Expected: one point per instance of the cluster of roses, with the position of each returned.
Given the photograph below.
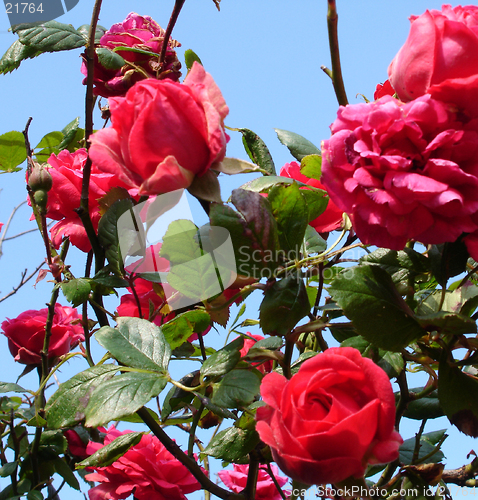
(402, 169)
(406, 168)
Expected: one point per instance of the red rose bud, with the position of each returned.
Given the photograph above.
(40, 179)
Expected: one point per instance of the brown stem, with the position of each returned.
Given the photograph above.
(337, 79)
(250, 489)
(463, 476)
(187, 461)
(178, 5)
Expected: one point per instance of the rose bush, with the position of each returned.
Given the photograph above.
(331, 419)
(26, 334)
(439, 58)
(147, 469)
(328, 221)
(236, 480)
(147, 37)
(403, 171)
(66, 170)
(152, 157)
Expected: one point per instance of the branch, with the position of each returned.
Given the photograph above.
(22, 282)
(336, 75)
(7, 225)
(463, 476)
(187, 461)
(178, 5)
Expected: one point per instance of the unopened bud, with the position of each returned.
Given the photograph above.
(40, 179)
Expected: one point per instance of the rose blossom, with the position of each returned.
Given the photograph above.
(236, 481)
(439, 58)
(26, 334)
(329, 220)
(66, 170)
(138, 32)
(331, 419)
(403, 171)
(163, 133)
(147, 469)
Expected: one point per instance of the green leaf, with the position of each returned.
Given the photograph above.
(63, 469)
(8, 469)
(76, 290)
(70, 133)
(12, 151)
(426, 447)
(317, 202)
(298, 146)
(253, 232)
(134, 418)
(15, 54)
(401, 266)
(84, 30)
(257, 150)
(224, 360)
(121, 396)
(458, 396)
(448, 260)
(285, 303)
(51, 36)
(446, 322)
(314, 243)
(427, 407)
(136, 343)
(238, 388)
(263, 184)
(177, 398)
(232, 444)
(233, 166)
(189, 57)
(109, 59)
(178, 330)
(67, 405)
(108, 233)
(111, 452)
(11, 387)
(370, 300)
(289, 208)
(311, 166)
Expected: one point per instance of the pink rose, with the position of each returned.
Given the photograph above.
(76, 446)
(64, 198)
(331, 419)
(328, 221)
(264, 367)
(163, 133)
(439, 58)
(143, 34)
(26, 334)
(236, 481)
(403, 171)
(147, 469)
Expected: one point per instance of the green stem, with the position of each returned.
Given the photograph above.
(192, 431)
(337, 79)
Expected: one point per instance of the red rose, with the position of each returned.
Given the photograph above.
(439, 58)
(236, 481)
(163, 133)
(145, 35)
(147, 469)
(76, 446)
(331, 419)
(403, 171)
(26, 334)
(328, 221)
(264, 367)
(66, 170)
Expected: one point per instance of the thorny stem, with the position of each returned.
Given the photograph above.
(250, 489)
(337, 79)
(192, 430)
(274, 480)
(187, 461)
(178, 5)
(418, 438)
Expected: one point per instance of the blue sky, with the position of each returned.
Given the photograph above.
(265, 56)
